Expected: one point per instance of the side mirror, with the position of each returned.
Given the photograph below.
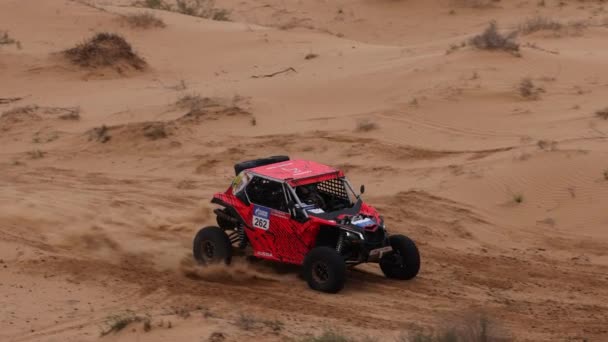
(362, 189)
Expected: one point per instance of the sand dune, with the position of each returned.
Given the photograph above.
(107, 172)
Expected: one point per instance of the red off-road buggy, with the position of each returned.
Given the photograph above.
(304, 213)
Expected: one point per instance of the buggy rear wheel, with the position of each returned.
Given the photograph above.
(324, 270)
(211, 246)
(404, 262)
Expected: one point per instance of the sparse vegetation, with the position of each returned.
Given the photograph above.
(70, 114)
(100, 134)
(528, 90)
(539, 23)
(192, 102)
(36, 154)
(329, 336)
(20, 110)
(182, 313)
(475, 3)
(274, 325)
(197, 8)
(245, 322)
(311, 56)
(547, 145)
(7, 100)
(116, 323)
(491, 39)
(5, 39)
(471, 328)
(518, 198)
(105, 50)
(144, 20)
(216, 337)
(147, 325)
(366, 126)
(155, 131)
(154, 4)
(602, 113)
(455, 47)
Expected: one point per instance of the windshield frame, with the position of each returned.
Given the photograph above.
(350, 190)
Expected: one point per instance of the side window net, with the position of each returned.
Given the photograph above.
(266, 193)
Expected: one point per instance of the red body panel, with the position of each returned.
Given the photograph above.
(284, 240)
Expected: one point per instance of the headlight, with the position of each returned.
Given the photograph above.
(354, 235)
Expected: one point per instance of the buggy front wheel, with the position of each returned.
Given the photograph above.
(404, 262)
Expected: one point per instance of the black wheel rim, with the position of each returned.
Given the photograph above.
(396, 259)
(208, 250)
(320, 272)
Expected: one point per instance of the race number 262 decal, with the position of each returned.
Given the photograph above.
(261, 217)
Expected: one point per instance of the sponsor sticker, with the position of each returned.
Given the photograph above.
(363, 222)
(261, 217)
(263, 254)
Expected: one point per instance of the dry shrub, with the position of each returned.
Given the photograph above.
(475, 3)
(471, 328)
(274, 325)
(197, 8)
(246, 322)
(547, 145)
(100, 134)
(329, 336)
(155, 131)
(216, 337)
(36, 154)
(200, 109)
(31, 112)
(366, 126)
(144, 20)
(5, 39)
(602, 113)
(193, 102)
(25, 110)
(116, 323)
(155, 4)
(105, 50)
(202, 9)
(539, 23)
(528, 90)
(311, 56)
(491, 39)
(71, 114)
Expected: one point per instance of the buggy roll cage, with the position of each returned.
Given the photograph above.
(289, 191)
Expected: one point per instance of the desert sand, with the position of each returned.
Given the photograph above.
(107, 173)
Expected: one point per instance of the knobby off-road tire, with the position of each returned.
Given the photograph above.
(211, 246)
(404, 262)
(324, 270)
